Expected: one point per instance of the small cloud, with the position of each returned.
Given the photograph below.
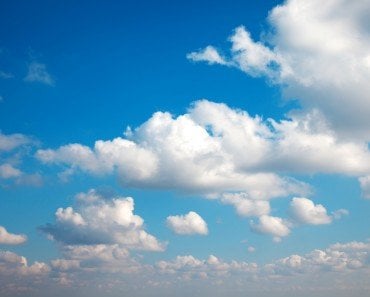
(208, 54)
(338, 214)
(8, 171)
(9, 238)
(37, 73)
(251, 249)
(188, 224)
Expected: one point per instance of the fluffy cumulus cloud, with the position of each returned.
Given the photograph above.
(318, 53)
(37, 73)
(9, 238)
(275, 226)
(98, 221)
(305, 211)
(191, 223)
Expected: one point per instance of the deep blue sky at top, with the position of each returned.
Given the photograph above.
(117, 62)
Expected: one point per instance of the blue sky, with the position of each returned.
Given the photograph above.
(239, 129)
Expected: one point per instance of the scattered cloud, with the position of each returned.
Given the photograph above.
(9, 238)
(208, 54)
(37, 73)
(189, 224)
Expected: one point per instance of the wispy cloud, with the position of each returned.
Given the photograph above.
(37, 73)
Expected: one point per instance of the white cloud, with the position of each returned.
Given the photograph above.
(319, 53)
(8, 171)
(191, 223)
(37, 73)
(12, 141)
(304, 211)
(208, 54)
(102, 221)
(9, 238)
(245, 206)
(275, 226)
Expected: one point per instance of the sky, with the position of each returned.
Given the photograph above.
(176, 148)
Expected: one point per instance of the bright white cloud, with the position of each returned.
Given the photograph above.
(9, 238)
(275, 226)
(37, 73)
(211, 149)
(102, 221)
(304, 211)
(208, 54)
(188, 224)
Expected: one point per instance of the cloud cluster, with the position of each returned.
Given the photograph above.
(191, 223)
(100, 221)
(225, 153)
(90, 266)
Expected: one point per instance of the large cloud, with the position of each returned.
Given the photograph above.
(319, 53)
(101, 221)
(215, 148)
(211, 149)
